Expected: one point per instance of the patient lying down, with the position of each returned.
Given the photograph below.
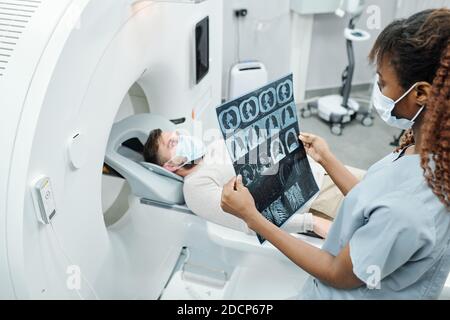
(206, 170)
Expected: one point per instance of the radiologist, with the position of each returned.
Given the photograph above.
(391, 236)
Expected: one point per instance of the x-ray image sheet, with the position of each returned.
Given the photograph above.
(261, 134)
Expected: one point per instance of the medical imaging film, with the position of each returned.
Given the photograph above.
(261, 134)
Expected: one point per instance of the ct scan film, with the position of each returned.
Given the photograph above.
(261, 133)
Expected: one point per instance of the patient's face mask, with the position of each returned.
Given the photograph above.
(385, 105)
(187, 150)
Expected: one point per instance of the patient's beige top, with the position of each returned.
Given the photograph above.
(203, 188)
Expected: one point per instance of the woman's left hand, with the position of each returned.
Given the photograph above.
(237, 200)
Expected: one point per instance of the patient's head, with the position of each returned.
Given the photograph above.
(173, 151)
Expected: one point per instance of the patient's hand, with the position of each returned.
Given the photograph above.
(321, 226)
(316, 147)
(237, 200)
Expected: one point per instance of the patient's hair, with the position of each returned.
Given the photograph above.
(151, 147)
(419, 50)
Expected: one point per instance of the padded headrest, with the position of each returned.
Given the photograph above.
(150, 182)
(162, 171)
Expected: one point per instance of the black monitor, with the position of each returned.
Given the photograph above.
(202, 49)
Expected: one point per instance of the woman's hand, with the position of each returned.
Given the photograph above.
(237, 200)
(316, 147)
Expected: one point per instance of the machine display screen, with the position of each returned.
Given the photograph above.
(202, 49)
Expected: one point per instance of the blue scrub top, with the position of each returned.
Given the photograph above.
(399, 233)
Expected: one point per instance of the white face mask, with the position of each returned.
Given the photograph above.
(189, 149)
(384, 106)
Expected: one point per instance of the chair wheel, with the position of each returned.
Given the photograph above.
(306, 113)
(367, 121)
(336, 129)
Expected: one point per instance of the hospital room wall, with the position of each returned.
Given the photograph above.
(408, 7)
(328, 55)
(265, 36)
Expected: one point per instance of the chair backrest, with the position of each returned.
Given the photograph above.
(144, 183)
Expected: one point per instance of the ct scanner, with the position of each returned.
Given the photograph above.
(65, 68)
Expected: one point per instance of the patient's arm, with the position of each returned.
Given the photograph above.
(307, 222)
(321, 226)
(203, 189)
(202, 195)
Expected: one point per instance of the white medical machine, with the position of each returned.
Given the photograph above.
(246, 77)
(66, 68)
(340, 109)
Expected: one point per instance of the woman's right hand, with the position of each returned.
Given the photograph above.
(316, 147)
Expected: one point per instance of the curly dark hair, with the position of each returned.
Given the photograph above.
(419, 50)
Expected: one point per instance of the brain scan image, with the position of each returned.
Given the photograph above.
(272, 125)
(265, 162)
(248, 175)
(249, 109)
(284, 91)
(230, 119)
(237, 147)
(267, 100)
(279, 212)
(241, 146)
(252, 138)
(295, 197)
(288, 116)
(261, 132)
(277, 151)
(291, 142)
